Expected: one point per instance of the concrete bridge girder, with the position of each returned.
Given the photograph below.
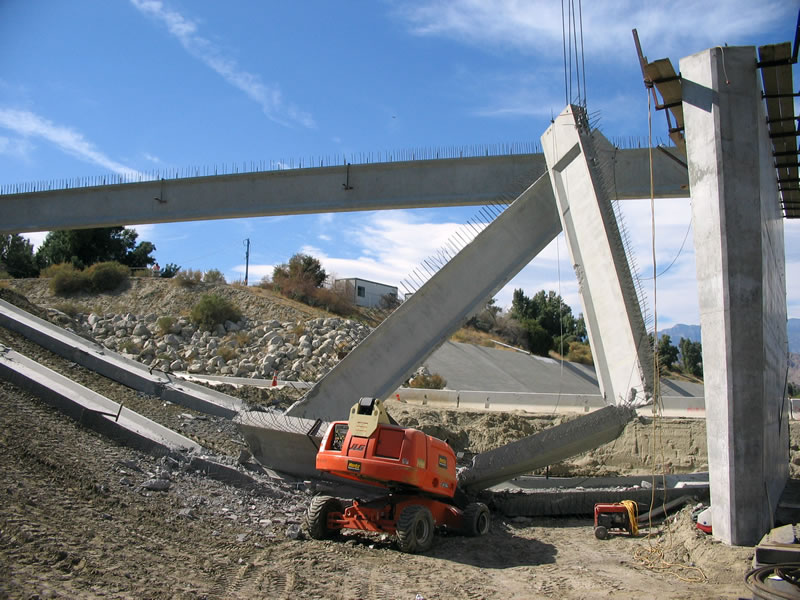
(377, 186)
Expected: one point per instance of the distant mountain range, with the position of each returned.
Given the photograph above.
(692, 332)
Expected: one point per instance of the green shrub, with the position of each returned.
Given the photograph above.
(214, 276)
(107, 276)
(434, 381)
(66, 279)
(213, 310)
(165, 324)
(4, 274)
(170, 270)
(188, 278)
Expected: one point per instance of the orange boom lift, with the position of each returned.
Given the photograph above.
(417, 471)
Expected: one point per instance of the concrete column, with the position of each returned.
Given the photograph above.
(617, 334)
(738, 238)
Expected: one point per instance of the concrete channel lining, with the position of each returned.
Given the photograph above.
(115, 366)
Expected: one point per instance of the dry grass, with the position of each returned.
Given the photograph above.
(467, 335)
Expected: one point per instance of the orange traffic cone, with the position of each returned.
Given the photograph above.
(274, 380)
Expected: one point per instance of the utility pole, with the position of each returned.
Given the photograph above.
(246, 260)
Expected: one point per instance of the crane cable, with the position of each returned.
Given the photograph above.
(653, 556)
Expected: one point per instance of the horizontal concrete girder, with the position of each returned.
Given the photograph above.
(377, 186)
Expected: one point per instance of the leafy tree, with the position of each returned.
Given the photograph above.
(16, 256)
(85, 247)
(794, 390)
(547, 320)
(486, 319)
(667, 353)
(301, 268)
(537, 339)
(691, 356)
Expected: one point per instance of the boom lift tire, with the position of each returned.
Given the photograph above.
(476, 519)
(415, 529)
(317, 516)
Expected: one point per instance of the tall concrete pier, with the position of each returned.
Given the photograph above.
(614, 320)
(739, 249)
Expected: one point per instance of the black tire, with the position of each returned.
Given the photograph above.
(415, 529)
(600, 532)
(476, 519)
(317, 516)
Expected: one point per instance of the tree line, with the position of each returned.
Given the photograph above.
(79, 247)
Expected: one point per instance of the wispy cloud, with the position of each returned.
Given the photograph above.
(30, 125)
(15, 147)
(269, 97)
(151, 158)
(536, 26)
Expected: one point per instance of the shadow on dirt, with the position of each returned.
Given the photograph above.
(501, 548)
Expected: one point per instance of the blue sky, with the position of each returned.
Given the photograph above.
(93, 87)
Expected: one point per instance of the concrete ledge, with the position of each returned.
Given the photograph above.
(115, 366)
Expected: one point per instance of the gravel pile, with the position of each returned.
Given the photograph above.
(248, 348)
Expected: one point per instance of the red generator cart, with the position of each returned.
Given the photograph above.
(416, 471)
(616, 516)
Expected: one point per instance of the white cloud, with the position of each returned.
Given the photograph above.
(254, 272)
(269, 97)
(36, 237)
(28, 124)
(536, 26)
(15, 147)
(151, 158)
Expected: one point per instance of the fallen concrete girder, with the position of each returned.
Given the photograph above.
(545, 448)
(556, 503)
(90, 408)
(115, 366)
(379, 364)
(112, 419)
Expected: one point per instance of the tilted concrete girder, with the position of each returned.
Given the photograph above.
(385, 359)
(377, 186)
(581, 171)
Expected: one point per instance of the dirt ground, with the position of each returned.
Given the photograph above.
(77, 520)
